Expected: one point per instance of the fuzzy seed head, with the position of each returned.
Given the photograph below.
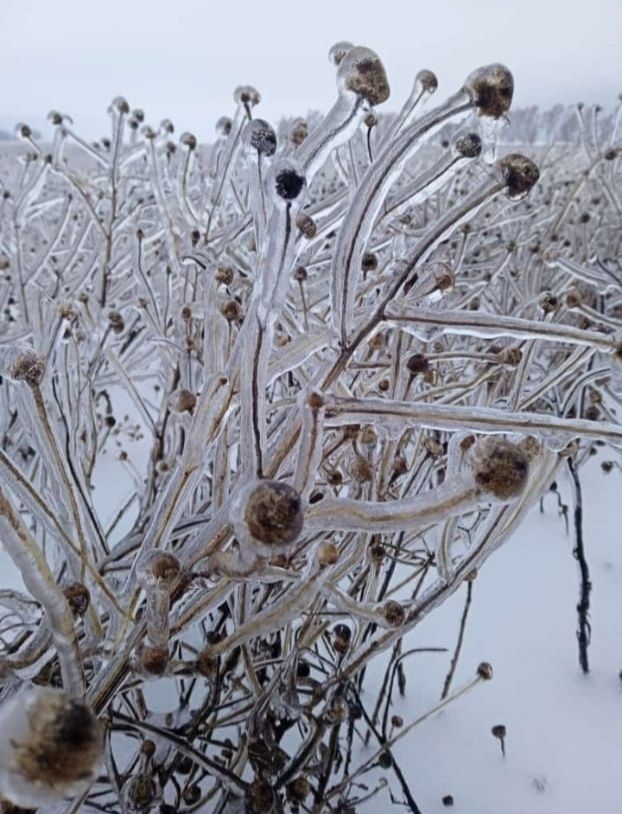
(52, 747)
(361, 72)
(338, 51)
(272, 513)
(519, 173)
(500, 468)
(29, 368)
(490, 89)
(259, 136)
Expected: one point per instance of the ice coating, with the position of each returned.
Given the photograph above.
(269, 402)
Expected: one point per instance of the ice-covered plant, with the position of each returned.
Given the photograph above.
(267, 404)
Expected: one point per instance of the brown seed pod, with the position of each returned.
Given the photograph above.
(272, 513)
(519, 173)
(185, 401)
(152, 660)
(140, 792)
(490, 89)
(260, 797)
(500, 468)
(338, 51)
(299, 132)
(165, 566)
(327, 553)
(306, 224)
(29, 368)
(484, 670)
(78, 597)
(361, 470)
(224, 275)
(51, 749)
(361, 71)
(298, 789)
(394, 613)
(417, 363)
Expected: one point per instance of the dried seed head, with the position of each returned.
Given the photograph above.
(469, 146)
(246, 95)
(427, 81)
(500, 468)
(300, 274)
(394, 613)
(417, 363)
(189, 140)
(299, 132)
(369, 261)
(261, 797)
(78, 597)
(206, 665)
(511, 356)
(164, 566)
(484, 670)
(151, 660)
(368, 436)
(259, 135)
(338, 51)
(573, 298)
(289, 181)
(224, 275)
(361, 72)
(327, 553)
(298, 789)
(361, 470)
(120, 105)
(116, 322)
(272, 513)
(490, 89)
(231, 310)
(140, 792)
(51, 747)
(185, 401)
(29, 368)
(224, 125)
(519, 173)
(306, 224)
(499, 731)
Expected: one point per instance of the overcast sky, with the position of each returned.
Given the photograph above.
(183, 58)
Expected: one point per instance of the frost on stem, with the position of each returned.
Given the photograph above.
(51, 747)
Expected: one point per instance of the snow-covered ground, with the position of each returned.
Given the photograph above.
(564, 729)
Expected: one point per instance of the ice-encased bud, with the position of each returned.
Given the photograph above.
(259, 135)
(469, 146)
(338, 51)
(268, 511)
(500, 468)
(519, 173)
(490, 89)
(189, 140)
(289, 180)
(223, 126)
(246, 95)
(361, 71)
(427, 81)
(51, 747)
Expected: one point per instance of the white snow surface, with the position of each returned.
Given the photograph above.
(564, 728)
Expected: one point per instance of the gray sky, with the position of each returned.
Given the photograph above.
(183, 58)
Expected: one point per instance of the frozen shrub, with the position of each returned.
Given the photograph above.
(265, 405)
